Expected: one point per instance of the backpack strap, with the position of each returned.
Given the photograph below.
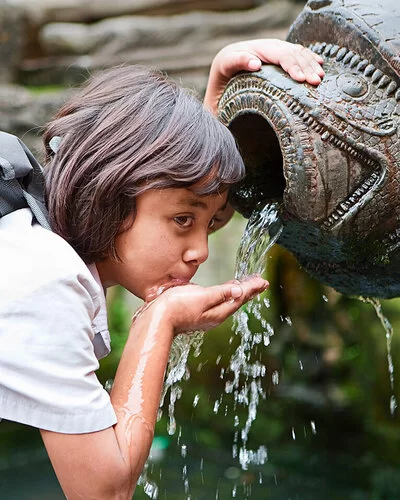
(21, 180)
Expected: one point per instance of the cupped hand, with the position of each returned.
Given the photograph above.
(300, 63)
(193, 307)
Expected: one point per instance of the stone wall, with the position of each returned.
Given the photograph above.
(59, 42)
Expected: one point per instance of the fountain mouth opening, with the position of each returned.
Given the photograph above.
(261, 152)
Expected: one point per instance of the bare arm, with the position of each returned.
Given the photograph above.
(107, 464)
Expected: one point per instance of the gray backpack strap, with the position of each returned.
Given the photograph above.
(21, 180)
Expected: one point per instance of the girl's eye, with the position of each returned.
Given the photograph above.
(184, 220)
(212, 223)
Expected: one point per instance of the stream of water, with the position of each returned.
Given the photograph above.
(262, 231)
(244, 376)
(246, 384)
(388, 329)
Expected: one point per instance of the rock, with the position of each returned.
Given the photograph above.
(25, 114)
(132, 33)
(12, 40)
(178, 44)
(14, 101)
(41, 12)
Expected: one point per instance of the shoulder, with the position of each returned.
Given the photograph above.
(33, 258)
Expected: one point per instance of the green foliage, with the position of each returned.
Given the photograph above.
(119, 318)
(333, 392)
(333, 395)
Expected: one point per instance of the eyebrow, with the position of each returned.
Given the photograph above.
(196, 203)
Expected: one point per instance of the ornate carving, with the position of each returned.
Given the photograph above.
(330, 153)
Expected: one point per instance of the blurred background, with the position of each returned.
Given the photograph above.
(325, 421)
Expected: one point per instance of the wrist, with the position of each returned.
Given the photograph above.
(154, 315)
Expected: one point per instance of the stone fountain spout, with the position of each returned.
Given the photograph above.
(330, 154)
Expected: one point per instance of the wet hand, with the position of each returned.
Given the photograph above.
(300, 63)
(193, 307)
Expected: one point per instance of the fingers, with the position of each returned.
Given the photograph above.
(237, 291)
(192, 307)
(242, 60)
(300, 63)
(234, 298)
(233, 59)
(309, 64)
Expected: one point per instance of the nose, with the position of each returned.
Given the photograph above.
(197, 251)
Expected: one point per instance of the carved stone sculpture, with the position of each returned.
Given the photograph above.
(330, 154)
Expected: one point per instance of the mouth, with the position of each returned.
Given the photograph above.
(281, 135)
(171, 282)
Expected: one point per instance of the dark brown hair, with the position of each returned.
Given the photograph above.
(129, 130)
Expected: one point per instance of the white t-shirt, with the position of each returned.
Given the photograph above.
(53, 329)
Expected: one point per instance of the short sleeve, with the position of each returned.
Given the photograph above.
(48, 302)
(48, 363)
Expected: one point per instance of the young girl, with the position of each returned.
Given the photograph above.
(137, 176)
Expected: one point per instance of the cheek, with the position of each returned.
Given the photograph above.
(153, 251)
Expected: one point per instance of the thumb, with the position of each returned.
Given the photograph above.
(242, 290)
(240, 61)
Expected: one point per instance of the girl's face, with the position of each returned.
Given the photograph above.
(167, 241)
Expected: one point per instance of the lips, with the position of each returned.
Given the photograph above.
(156, 291)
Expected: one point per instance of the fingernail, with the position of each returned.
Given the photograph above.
(254, 64)
(236, 292)
(301, 74)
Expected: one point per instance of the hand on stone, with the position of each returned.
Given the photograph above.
(300, 63)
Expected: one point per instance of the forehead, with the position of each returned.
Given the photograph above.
(202, 201)
(181, 199)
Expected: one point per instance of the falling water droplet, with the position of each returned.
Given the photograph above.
(388, 335)
(313, 427)
(393, 404)
(262, 230)
(151, 489)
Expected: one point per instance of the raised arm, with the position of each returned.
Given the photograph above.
(106, 464)
(299, 62)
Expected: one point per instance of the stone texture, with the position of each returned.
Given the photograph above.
(181, 44)
(11, 40)
(44, 11)
(177, 40)
(131, 33)
(24, 114)
(333, 158)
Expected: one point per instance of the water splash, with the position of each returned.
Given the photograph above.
(262, 231)
(388, 335)
(177, 370)
(149, 486)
